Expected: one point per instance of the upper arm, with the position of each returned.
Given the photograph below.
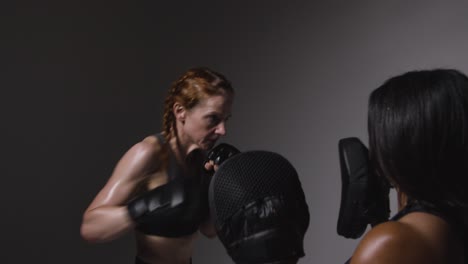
(392, 242)
(130, 171)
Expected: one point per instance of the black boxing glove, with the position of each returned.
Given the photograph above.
(364, 195)
(159, 201)
(220, 153)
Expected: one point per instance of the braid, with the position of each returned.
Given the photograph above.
(168, 118)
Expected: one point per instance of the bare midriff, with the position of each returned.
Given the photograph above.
(164, 250)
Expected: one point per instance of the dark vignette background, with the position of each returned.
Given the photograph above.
(81, 81)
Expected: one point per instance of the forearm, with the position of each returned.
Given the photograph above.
(207, 228)
(105, 223)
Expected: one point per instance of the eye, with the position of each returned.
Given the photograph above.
(213, 120)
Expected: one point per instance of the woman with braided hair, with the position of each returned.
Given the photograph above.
(159, 186)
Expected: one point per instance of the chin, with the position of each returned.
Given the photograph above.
(208, 145)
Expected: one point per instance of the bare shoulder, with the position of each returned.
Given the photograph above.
(146, 149)
(142, 158)
(393, 242)
(131, 171)
(149, 145)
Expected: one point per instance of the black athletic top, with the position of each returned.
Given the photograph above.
(186, 218)
(447, 215)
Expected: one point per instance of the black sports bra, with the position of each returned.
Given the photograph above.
(446, 215)
(185, 219)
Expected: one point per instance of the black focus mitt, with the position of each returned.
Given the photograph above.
(364, 195)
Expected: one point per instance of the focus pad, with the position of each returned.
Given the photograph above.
(364, 195)
(257, 204)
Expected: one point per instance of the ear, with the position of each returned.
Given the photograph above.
(179, 112)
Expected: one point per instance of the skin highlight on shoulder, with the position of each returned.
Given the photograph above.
(150, 144)
(149, 150)
(393, 242)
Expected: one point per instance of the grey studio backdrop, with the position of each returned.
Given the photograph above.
(83, 81)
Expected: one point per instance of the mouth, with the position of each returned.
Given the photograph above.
(210, 143)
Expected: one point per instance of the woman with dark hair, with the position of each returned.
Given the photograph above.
(159, 186)
(418, 141)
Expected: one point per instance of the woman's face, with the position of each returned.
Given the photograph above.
(205, 123)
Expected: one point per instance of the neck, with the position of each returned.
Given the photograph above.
(180, 144)
(402, 199)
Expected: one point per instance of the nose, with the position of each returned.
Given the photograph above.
(221, 129)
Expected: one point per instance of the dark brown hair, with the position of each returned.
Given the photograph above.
(418, 135)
